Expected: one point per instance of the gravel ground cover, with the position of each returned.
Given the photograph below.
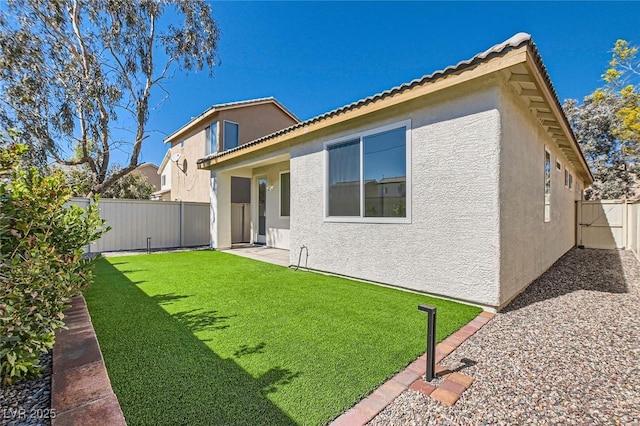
(28, 403)
(565, 351)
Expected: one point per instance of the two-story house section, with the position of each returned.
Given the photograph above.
(221, 127)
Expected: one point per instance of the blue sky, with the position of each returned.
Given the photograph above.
(314, 57)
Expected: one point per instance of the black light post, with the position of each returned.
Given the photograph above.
(431, 340)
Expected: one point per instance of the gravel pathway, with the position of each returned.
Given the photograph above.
(567, 351)
(28, 403)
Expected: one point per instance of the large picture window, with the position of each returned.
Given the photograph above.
(367, 176)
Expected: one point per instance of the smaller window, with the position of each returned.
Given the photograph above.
(558, 166)
(285, 194)
(570, 181)
(211, 138)
(164, 180)
(547, 185)
(231, 132)
(182, 143)
(207, 140)
(566, 177)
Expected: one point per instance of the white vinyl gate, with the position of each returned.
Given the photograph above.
(602, 224)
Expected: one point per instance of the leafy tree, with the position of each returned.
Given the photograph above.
(41, 259)
(73, 71)
(132, 185)
(607, 127)
(622, 77)
(595, 125)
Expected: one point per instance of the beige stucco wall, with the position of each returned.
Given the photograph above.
(150, 173)
(528, 244)
(451, 246)
(255, 121)
(189, 184)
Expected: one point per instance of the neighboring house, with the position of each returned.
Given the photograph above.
(150, 173)
(221, 127)
(164, 172)
(444, 185)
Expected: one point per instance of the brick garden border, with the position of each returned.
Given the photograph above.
(81, 392)
(449, 391)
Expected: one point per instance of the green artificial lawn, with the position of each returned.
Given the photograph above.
(211, 338)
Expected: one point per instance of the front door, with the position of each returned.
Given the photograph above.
(262, 210)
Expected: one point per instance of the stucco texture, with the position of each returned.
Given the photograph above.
(451, 245)
(475, 229)
(187, 182)
(528, 244)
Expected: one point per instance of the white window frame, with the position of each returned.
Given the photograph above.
(566, 177)
(570, 180)
(163, 180)
(280, 194)
(360, 135)
(224, 134)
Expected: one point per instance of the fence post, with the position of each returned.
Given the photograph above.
(181, 223)
(89, 204)
(625, 224)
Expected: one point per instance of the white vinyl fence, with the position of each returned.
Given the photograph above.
(633, 219)
(168, 224)
(609, 224)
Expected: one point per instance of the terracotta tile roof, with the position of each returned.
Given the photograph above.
(230, 105)
(512, 43)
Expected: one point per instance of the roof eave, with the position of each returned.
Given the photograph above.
(525, 54)
(214, 109)
(513, 57)
(543, 81)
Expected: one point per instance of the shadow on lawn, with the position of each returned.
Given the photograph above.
(162, 374)
(196, 319)
(250, 350)
(201, 320)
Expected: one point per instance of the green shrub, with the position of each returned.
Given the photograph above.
(41, 260)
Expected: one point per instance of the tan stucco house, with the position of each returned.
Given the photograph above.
(149, 171)
(447, 185)
(221, 127)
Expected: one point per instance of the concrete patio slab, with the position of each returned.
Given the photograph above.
(263, 254)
